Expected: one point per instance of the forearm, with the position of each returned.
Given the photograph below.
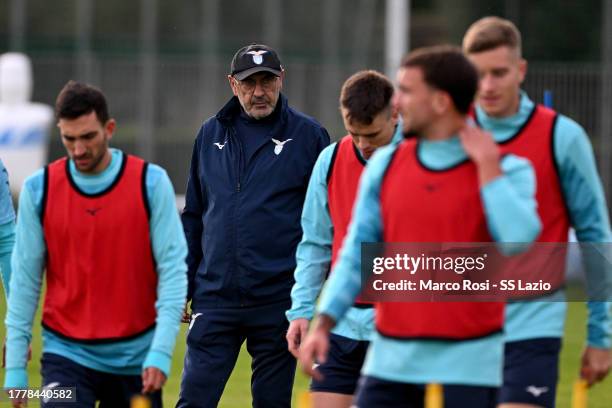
(599, 324)
(488, 170)
(324, 323)
(509, 203)
(22, 305)
(171, 300)
(314, 251)
(341, 289)
(588, 209)
(27, 264)
(308, 284)
(344, 284)
(7, 241)
(170, 251)
(313, 258)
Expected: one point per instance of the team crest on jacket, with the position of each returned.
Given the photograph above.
(257, 56)
(279, 145)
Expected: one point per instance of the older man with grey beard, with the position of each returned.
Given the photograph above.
(249, 171)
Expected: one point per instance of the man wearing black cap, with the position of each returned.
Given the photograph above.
(249, 171)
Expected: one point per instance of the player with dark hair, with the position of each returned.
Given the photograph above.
(371, 122)
(104, 227)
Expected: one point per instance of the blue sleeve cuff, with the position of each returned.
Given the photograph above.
(494, 186)
(298, 314)
(602, 342)
(599, 327)
(16, 378)
(335, 310)
(330, 313)
(159, 360)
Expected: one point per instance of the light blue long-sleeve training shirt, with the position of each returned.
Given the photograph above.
(315, 251)
(7, 228)
(510, 208)
(586, 202)
(152, 349)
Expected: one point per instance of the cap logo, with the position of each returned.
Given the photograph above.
(257, 56)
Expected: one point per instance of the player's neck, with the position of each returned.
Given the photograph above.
(511, 110)
(103, 164)
(444, 127)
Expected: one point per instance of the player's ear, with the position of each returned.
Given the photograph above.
(391, 114)
(394, 113)
(522, 69)
(110, 126)
(441, 101)
(233, 85)
(282, 78)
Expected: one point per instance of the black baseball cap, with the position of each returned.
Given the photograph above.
(255, 58)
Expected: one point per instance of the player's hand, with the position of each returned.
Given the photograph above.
(295, 334)
(478, 144)
(483, 151)
(595, 365)
(17, 402)
(153, 379)
(186, 314)
(315, 346)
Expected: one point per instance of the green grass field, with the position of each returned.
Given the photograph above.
(237, 392)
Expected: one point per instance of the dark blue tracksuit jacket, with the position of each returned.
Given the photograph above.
(242, 218)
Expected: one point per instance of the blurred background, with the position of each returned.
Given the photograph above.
(162, 64)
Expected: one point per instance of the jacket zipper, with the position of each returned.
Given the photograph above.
(240, 155)
(234, 136)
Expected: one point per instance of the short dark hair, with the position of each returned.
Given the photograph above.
(77, 99)
(445, 68)
(489, 33)
(365, 95)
